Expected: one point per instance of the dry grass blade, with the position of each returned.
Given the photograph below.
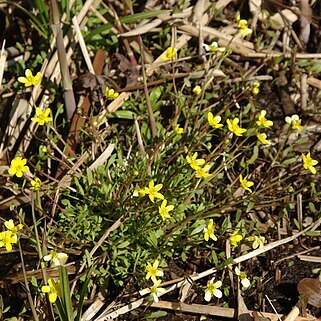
(3, 58)
(213, 310)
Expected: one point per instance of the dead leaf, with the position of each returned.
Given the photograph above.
(95, 85)
(310, 289)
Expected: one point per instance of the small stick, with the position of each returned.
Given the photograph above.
(304, 91)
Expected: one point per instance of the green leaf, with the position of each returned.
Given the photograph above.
(228, 261)
(128, 19)
(312, 207)
(155, 94)
(34, 281)
(312, 233)
(289, 161)
(254, 155)
(156, 315)
(123, 114)
(123, 245)
(65, 293)
(301, 141)
(296, 223)
(83, 292)
(198, 229)
(184, 257)
(215, 258)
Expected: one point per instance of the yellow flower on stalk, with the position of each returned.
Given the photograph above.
(255, 87)
(194, 162)
(53, 289)
(197, 90)
(262, 138)
(262, 121)
(242, 275)
(170, 54)
(242, 24)
(8, 238)
(18, 166)
(11, 227)
(56, 258)
(153, 191)
(309, 163)
(209, 231)
(202, 172)
(257, 241)
(164, 210)
(35, 184)
(234, 127)
(155, 291)
(245, 184)
(214, 121)
(178, 130)
(30, 79)
(294, 121)
(235, 238)
(42, 117)
(110, 93)
(212, 289)
(153, 271)
(213, 47)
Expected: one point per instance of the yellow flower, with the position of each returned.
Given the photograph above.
(309, 163)
(255, 87)
(178, 130)
(213, 47)
(262, 138)
(141, 192)
(56, 258)
(295, 121)
(197, 90)
(44, 149)
(258, 241)
(110, 93)
(30, 80)
(152, 191)
(18, 166)
(8, 238)
(11, 227)
(242, 275)
(212, 289)
(242, 24)
(153, 271)
(53, 288)
(234, 127)
(245, 183)
(42, 117)
(262, 121)
(154, 291)
(201, 172)
(214, 121)
(194, 162)
(164, 210)
(235, 238)
(209, 231)
(35, 184)
(170, 54)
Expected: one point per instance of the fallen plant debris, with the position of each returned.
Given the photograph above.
(160, 160)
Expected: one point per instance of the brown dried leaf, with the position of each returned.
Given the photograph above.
(310, 289)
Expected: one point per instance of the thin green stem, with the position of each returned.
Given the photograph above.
(32, 306)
